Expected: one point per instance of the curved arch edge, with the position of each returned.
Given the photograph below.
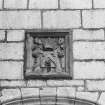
(49, 100)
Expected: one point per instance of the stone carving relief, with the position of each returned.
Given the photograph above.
(46, 54)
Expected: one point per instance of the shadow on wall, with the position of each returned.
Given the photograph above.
(49, 100)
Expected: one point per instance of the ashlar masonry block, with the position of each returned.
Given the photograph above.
(36, 83)
(11, 70)
(58, 83)
(15, 4)
(99, 4)
(101, 100)
(13, 83)
(95, 85)
(61, 19)
(1, 4)
(87, 96)
(10, 94)
(89, 50)
(20, 19)
(66, 91)
(29, 92)
(11, 51)
(15, 35)
(89, 70)
(75, 4)
(93, 18)
(43, 4)
(2, 35)
(80, 34)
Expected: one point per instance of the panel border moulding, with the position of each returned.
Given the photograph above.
(48, 54)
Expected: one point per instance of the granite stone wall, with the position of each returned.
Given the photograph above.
(86, 20)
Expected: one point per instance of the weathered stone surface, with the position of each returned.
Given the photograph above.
(2, 35)
(66, 91)
(89, 70)
(11, 70)
(33, 102)
(15, 35)
(9, 94)
(89, 50)
(74, 82)
(99, 4)
(0, 93)
(1, 4)
(36, 83)
(79, 34)
(16, 83)
(80, 88)
(43, 4)
(15, 4)
(11, 50)
(20, 19)
(87, 96)
(48, 100)
(95, 85)
(101, 100)
(61, 19)
(75, 4)
(93, 18)
(48, 91)
(30, 92)
(54, 83)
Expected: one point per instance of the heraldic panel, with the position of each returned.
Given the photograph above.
(46, 55)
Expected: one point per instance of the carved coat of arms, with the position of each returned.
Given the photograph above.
(47, 54)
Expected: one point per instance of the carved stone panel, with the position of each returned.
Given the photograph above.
(46, 55)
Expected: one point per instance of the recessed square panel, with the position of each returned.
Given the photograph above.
(47, 55)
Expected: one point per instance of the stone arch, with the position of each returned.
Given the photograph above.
(48, 100)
